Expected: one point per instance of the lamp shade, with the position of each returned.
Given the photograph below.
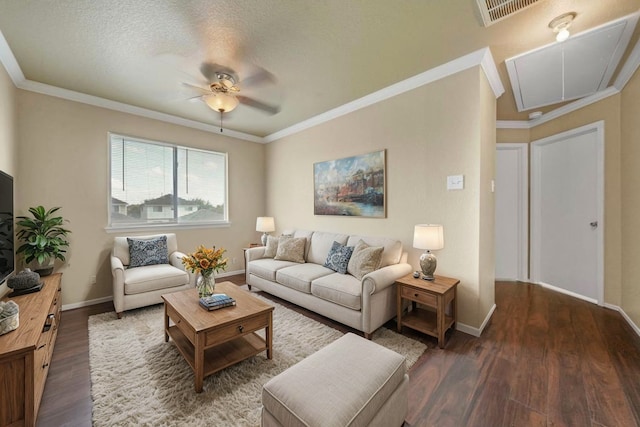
(428, 236)
(222, 102)
(266, 224)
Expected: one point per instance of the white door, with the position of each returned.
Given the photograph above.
(512, 212)
(567, 181)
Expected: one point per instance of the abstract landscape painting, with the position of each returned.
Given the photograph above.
(352, 186)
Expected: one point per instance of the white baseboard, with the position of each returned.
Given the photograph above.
(110, 298)
(625, 316)
(86, 303)
(566, 292)
(476, 332)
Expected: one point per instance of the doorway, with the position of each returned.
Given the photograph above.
(567, 199)
(512, 212)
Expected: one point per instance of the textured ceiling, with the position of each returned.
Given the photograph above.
(323, 53)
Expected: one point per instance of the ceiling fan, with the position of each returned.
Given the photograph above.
(223, 95)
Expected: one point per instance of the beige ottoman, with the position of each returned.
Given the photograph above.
(350, 382)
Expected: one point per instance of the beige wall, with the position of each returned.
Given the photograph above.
(63, 161)
(428, 133)
(513, 136)
(608, 110)
(630, 178)
(8, 134)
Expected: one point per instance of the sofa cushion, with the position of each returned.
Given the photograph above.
(321, 244)
(300, 276)
(272, 247)
(138, 280)
(364, 259)
(338, 258)
(342, 289)
(301, 233)
(345, 383)
(148, 251)
(291, 249)
(392, 248)
(266, 268)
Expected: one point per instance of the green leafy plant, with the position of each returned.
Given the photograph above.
(43, 237)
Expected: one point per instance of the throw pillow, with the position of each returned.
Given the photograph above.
(338, 257)
(364, 259)
(272, 247)
(148, 251)
(291, 249)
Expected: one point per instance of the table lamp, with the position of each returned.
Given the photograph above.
(429, 237)
(266, 224)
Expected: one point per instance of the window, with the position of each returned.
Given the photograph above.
(154, 183)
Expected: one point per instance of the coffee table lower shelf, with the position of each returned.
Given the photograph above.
(221, 355)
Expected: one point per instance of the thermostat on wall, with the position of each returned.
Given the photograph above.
(455, 182)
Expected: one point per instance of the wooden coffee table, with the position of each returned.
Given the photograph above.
(213, 340)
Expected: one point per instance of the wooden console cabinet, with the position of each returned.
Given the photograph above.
(25, 353)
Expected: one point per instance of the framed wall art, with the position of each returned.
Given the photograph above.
(352, 186)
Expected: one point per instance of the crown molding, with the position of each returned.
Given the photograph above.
(9, 62)
(481, 57)
(512, 124)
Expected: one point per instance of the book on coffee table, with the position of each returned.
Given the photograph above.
(216, 301)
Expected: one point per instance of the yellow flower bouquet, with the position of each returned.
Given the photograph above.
(204, 261)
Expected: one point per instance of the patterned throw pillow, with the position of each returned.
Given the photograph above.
(364, 259)
(338, 257)
(148, 251)
(272, 247)
(291, 249)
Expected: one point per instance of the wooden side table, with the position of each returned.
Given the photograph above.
(437, 294)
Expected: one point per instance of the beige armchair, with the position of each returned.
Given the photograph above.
(143, 273)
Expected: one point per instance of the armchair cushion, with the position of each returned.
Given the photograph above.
(153, 277)
(144, 252)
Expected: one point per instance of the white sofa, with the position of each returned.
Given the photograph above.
(135, 287)
(364, 304)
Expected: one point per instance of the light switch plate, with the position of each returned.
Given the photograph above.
(455, 182)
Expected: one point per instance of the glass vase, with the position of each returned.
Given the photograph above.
(205, 284)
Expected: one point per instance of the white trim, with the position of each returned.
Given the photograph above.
(513, 124)
(566, 292)
(87, 303)
(626, 317)
(480, 57)
(10, 63)
(476, 332)
(576, 105)
(534, 272)
(522, 148)
(629, 68)
(130, 109)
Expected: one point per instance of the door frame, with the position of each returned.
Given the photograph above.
(598, 128)
(522, 148)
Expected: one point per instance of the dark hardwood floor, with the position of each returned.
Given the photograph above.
(545, 359)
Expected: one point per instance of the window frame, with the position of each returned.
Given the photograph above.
(174, 224)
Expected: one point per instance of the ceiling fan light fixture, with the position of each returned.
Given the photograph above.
(222, 102)
(560, 25)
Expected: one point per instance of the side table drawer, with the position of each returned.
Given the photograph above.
(181, 324)
(419, 296)
(236, 329)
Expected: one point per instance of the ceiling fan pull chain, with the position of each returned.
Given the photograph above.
(221, 121)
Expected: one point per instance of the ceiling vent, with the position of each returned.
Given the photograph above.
(493, 11)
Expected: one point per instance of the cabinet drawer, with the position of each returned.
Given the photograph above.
(181, 324)
(420, 296)
(236, 329)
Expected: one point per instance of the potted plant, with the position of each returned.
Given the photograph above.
(43, 238)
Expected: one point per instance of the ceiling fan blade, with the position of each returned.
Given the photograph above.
(195, 98)
(263, 76)
(210, 71)
(200, 88)
(250, 102)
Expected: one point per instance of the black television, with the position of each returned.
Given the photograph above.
(7, 250)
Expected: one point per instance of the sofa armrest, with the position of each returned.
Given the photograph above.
(254, 253)
(117, 271)
(175, 259)
(384, 277)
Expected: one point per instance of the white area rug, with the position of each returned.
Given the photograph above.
(138, 379)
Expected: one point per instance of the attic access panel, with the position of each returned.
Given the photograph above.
(578, 67)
